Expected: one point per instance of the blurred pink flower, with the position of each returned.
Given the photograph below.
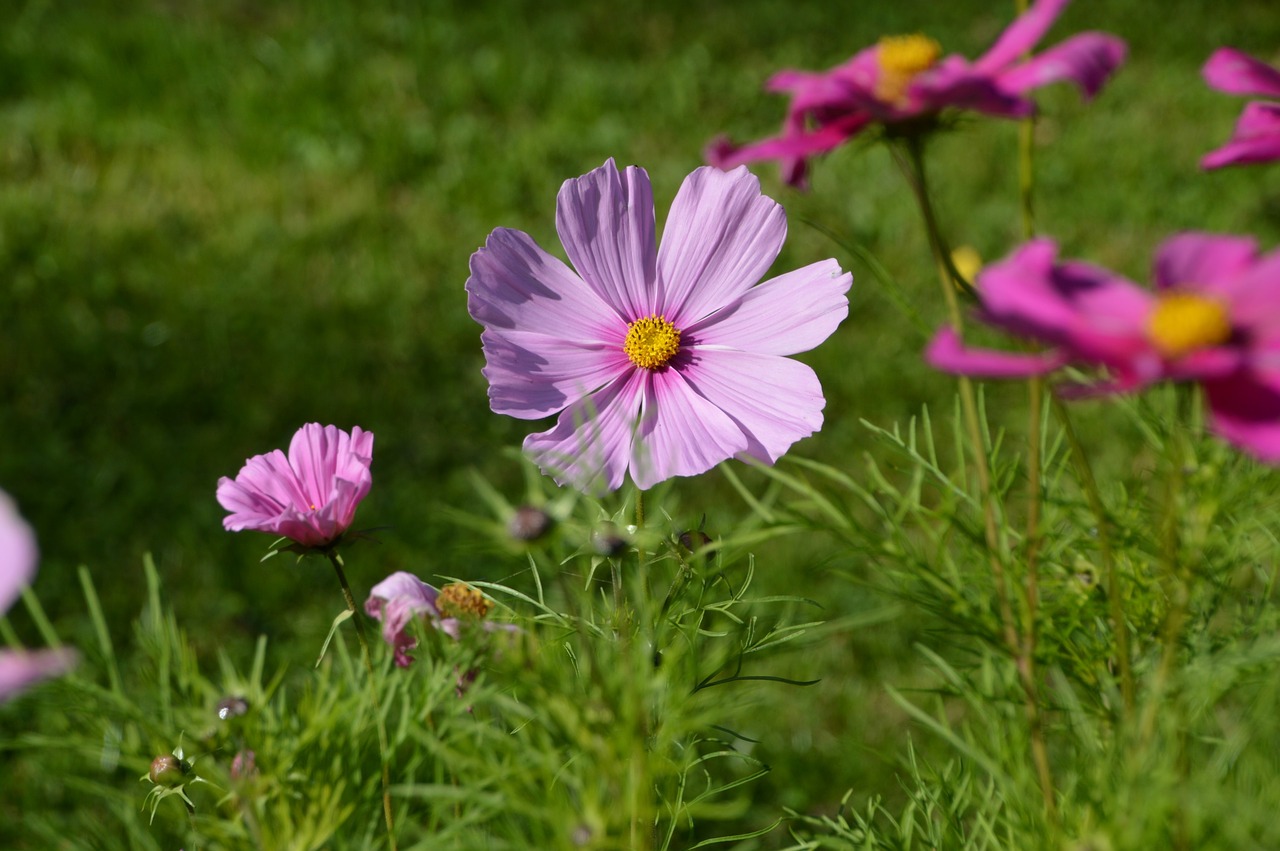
(1257, 134)
(906, 79)
(309, 497)
(1214, 318)
(21, 668)
(402, 597)
(660, 361)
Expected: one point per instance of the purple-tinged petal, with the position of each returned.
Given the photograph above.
(1229, 70)
(401, 584)
(1087, 59)
(1256, 138)
(17, 553)
(947, 353)
(397, 601)
(721, 236)
(794, 146)
(791, 313)
(1245, 410)
(515, 284)
(775, 401)
(533, 375)
(1020, 36)
(325, 456)
(1254, 298)
(1202, 261)
(590, 445)
(1205, 364)
(680, 432)
(20, 669)
(606, 223)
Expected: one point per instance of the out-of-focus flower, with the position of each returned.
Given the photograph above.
(21, 668)
(232, 707)
(244, 765)
(529, 523)
(660, 361)
(1214, 317)
(309, 496)
(1257, 135)
(904, 82)
(402, 597)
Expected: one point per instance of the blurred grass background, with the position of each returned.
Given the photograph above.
(220, 220)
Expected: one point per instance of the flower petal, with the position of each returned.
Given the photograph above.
(1087, 59)
(947, 353)
(19, 669)
(1232, 71)
(1020, 36)
(1245, 410)
(774, 401)
(534, 375)
(17, 553)
(590, 445)
(791, 313)
(1204, 261)
(721, 236)
(680, 432)
(605, 220)
(323, 455)
(1256, 138)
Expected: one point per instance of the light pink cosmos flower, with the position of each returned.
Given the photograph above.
(20, 668)
(1214, 317)
(311, 495)
(660, 361)
(1257, 134)
(905, 79)
(402, 598)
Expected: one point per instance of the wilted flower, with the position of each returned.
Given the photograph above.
(402, 597)
(1214, 317)
(906, 80)
(20, 668)
(661, 361)
(1257, 135)
(311, 495)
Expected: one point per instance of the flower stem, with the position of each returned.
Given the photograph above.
(384, 752)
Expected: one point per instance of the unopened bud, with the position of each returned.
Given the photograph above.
(167, 770)
(607, 540)
(694, 540)
(232, 707)
(529, 523)
(243, 765)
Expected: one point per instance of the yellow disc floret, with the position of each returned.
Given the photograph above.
(651, 342)
(901, 58)
(458, 600)
(1182, 322)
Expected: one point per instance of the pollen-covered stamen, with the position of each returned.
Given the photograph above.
(651, 342)
(901, 58)
(458, 599)
(1182, 322)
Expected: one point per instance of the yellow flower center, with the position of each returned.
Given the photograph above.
(651, 342)
(1184, 322)
(901, 58)
(458, 600)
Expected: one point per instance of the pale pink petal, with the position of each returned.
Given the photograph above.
(533, 375)
(947, 353)
(1087, 59)
(774, 401)
(1202, 261)
(1229, 70)
(19, 669)
(1245, 410)
(590, 445)
(514, 284)
(791, 313)
(397, 601)
(680, 433)
(721, 236)
(1020, 36)
(606, 223)
(17, 553)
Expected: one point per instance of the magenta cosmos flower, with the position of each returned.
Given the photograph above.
(21, 668)
(309, 496)
(1214, 317)
(1257, 135)
(660, 361)
(402, 598)
(907, 79)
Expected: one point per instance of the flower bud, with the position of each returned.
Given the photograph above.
(694, 540)
(232, 707)
(607, 540)
(529, 523)
(167, 770)
(243, 765)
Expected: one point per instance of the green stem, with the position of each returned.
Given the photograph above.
(384, 752)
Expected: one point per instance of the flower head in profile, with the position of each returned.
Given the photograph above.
(310, 495)
(661, 361)
(905, 82)
(403, 598)
(1213, 317)
(21, 668)
(1257, 135)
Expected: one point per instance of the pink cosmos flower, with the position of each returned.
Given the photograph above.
(20, 668)
(311, 495)
(660, 361)
(1257, 134)
(906, 79)
(1214, 317)
(402, 597)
